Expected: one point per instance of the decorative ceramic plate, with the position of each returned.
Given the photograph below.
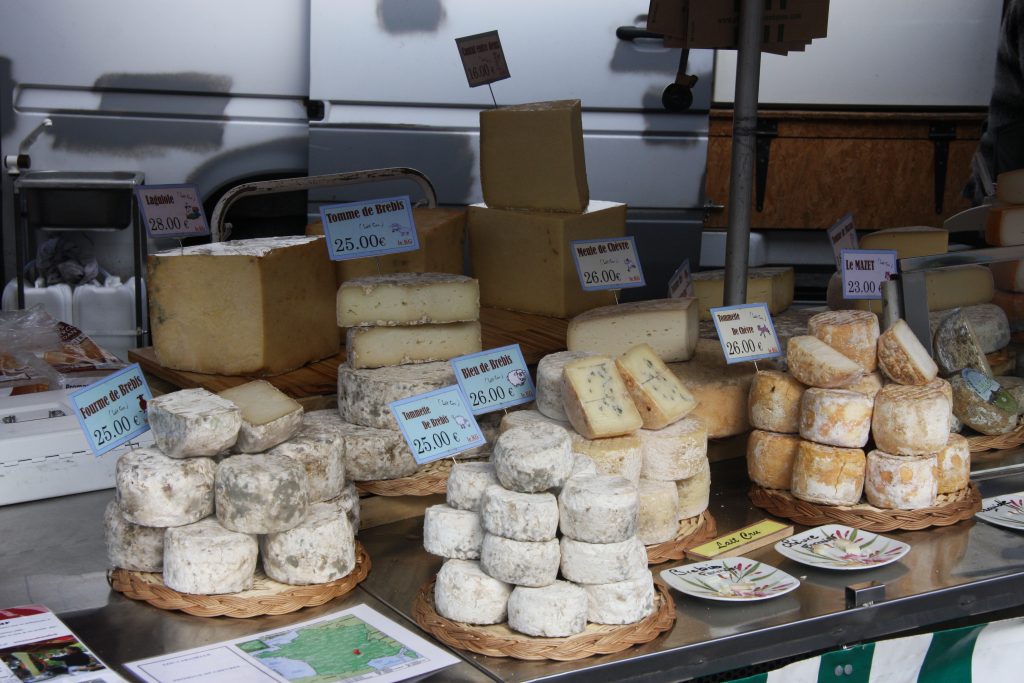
(1006, 511)
(733, 579)
(834, 546)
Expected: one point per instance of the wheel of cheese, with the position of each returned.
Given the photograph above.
(467, 482)
(523, 563)
(603, 562)
(721, 390)
(828, 474)
(947, 390)
(553, 611)
(320, 549)
(364, 394)
(957, 347)
(261, 494)
(549, 383)
(694, 492)
(321, 452)
(348, 502)
(464, 593)
(992, 413)
(770, 458)
(774, 402)
(269, 416)
(910, 420)
(370, 454)
(451, 533)
(204, 558)
(582, 465)
(153, 489)
(989, 322)
(868, 385)
(132, 546)
(816, 364)
(599, 509)
(519, 516)
(901, 482)
(529, 418)
(658, 518)
(852, 333)
(620, 456)
(836, 417)
(621, 602)
(193, 422)
(902, 358)
(675, 452)
(954, 465)
(533, 459)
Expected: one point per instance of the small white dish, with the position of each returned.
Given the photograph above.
(1005, 511)
(731, 579)
(834, 546)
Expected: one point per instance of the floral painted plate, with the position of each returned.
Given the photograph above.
(834, 546)
(733, 579)
(1006, 511)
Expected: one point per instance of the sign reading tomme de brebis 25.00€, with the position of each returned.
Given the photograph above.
(370, 228)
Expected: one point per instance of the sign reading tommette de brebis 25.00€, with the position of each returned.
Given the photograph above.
(113, 410)
(370, 228)
(494, 379)
(437, 424)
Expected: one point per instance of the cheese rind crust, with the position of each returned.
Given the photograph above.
(904, 482)
(828, 474)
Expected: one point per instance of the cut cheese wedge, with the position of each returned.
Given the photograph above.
(852, 333)
(817, 364)
(657, 393)
(669, 326)
(902, 358)
(597, 401)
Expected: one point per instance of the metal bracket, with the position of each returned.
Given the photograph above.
(767, 130)
(864, 594)
(940, 134)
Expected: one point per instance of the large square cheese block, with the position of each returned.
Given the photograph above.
(1005, 226)
(442, 237)
(523, 260)
(668, 326)
(378, 347)
(531, 157)
(408, 299)
(247, 307)
(772, 286)
(909, 242)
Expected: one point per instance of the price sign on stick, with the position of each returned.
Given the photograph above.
(746, 332)
(494, 379)
(113, 410)
(607, 263)
(371, 228)
(864, 271)
(842, 235)
(482, 58)
(437, 424)
(172, 211)
(681, 282)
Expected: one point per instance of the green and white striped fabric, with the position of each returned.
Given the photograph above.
(975, 654)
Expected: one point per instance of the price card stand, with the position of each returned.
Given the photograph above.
(437, 424)
(112, 411)
(607, 264)
(495, 379)
(864, 273)
(746, 332)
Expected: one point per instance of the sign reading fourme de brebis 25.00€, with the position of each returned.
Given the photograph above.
(113, 410)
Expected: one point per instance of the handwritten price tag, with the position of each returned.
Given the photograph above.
(607, 263)
(113, 410)
(842, 235)
(172, 211)
(370, 228)
(864, 271)
(681, 283)
(746, 332)
(437, 424)
(494, 379)
(482, 58)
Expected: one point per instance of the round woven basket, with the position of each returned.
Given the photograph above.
(501, 641)
(981, 443)
(265, 597)
(950, 509)
(431, 478)
(693, 531)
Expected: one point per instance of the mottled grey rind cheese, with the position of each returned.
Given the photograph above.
(261, 494)
(957, 347)
(523, 563)
(348, 502)
(466, 484)
(603, 562)
(674, 452)
(364, 393)
(132, 546)
(533, 459)
(254, 438)
(599, 509)
(554, 611)
(193, 422)
(582, 465)
(519, 516)
(370, 454)
(463, 592)
(529, 418)
(204, 558)
(321, 452)
(988, 321)
(320, 549)
(658, 520)
(155, 490)
(621, 602)
(549, 383)
(455, 534)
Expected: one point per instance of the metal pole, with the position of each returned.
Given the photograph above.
(744, 128)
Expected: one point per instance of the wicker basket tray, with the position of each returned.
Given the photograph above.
(951, 508)
(981, 443)
(431, 478)
(693, 531)
(265, 597)
(501, 641)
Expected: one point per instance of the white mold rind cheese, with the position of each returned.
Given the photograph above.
(549, 383)
(193, 422)
(455, 534)
(523, 563)
(603, 562)
(370, 454)
(467, 482)
(770, 458)
(658, 394)
(816, 364)
(596, 399)
(132, 546)
(321, 549)
(695, 492)
(364, 393)
(321, 452)
(954, 465)
(620, 456)
(269, 417)
(519, 516)
(261, 494)
(533, 459)
(599, 509)
(828, 474)
(204, 558)
(836, 417)
(153, 489)
(583, 466)
(658, 519)
(902, 358)
(348, 502)
(774, 402)
(528, 418)
(901, 482)
(910, 420)
(621, 602)
(675, 452)
(464, 593)
(553, 611)
(850, 332)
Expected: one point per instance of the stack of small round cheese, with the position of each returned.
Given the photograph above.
(233, 478)
(813, 422)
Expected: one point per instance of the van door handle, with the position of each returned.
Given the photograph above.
(631, 33)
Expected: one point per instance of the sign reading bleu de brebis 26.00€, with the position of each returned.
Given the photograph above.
(494, 379)
(371, 228)
(112, 411)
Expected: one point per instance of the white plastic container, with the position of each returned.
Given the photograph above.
(55, 299)
(107, 314)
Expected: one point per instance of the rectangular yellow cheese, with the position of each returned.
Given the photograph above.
(1010, 186)
(408, 299)
(773, 286)
(531, 157)
(908, 242)
(378, 347)
(668, 326)
(523, 260)
(1004, 226)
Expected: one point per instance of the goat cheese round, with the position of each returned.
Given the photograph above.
(553, 611)
(774, 402)
(467, 482)
(370, 454)
(261, 493)
(836, 417)
(770, 458)
(132, 546)
(615, 455)
(204, 558)
(455, 534)
(954, 464)
(320, 549)
(528, 418)
(603, 562)
(519, 516)
(816, 364)
(658, 518)
(904, 482)
(523, 563)
(599, 509)
(533, 459)
(910, 419)
(549, 383)
(463, 592)
(621, 602)
(828, 474)
(348, 502)
(850, 332)
(153, 489)
(365, 393)
(674, 452)
(321, 452)
(695, 492)
(193, 422)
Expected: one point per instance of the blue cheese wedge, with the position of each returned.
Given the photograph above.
(657, 393)
(596, 399)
